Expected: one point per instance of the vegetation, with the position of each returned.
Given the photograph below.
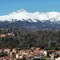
(47, 39)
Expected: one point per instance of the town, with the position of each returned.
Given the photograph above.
(29, 54)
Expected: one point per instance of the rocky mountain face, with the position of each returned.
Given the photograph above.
(31, 21)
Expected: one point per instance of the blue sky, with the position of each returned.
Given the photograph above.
(8, 6)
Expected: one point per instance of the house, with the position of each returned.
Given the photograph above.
(10, 34)
(2, 35)
(57, 58)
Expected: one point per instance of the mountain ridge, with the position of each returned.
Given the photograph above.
(23, 15)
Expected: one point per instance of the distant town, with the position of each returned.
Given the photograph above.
(29, 54)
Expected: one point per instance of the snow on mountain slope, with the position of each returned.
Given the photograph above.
(23, 15)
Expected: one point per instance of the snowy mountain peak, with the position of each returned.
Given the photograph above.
(23, 15)
(22, 10)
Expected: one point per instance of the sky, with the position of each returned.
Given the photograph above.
(8, 6)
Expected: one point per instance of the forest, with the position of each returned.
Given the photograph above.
(47, 39)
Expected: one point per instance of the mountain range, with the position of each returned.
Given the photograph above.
(31, 21)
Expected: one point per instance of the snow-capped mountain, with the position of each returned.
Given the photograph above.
(23, 15)
(31, 21)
